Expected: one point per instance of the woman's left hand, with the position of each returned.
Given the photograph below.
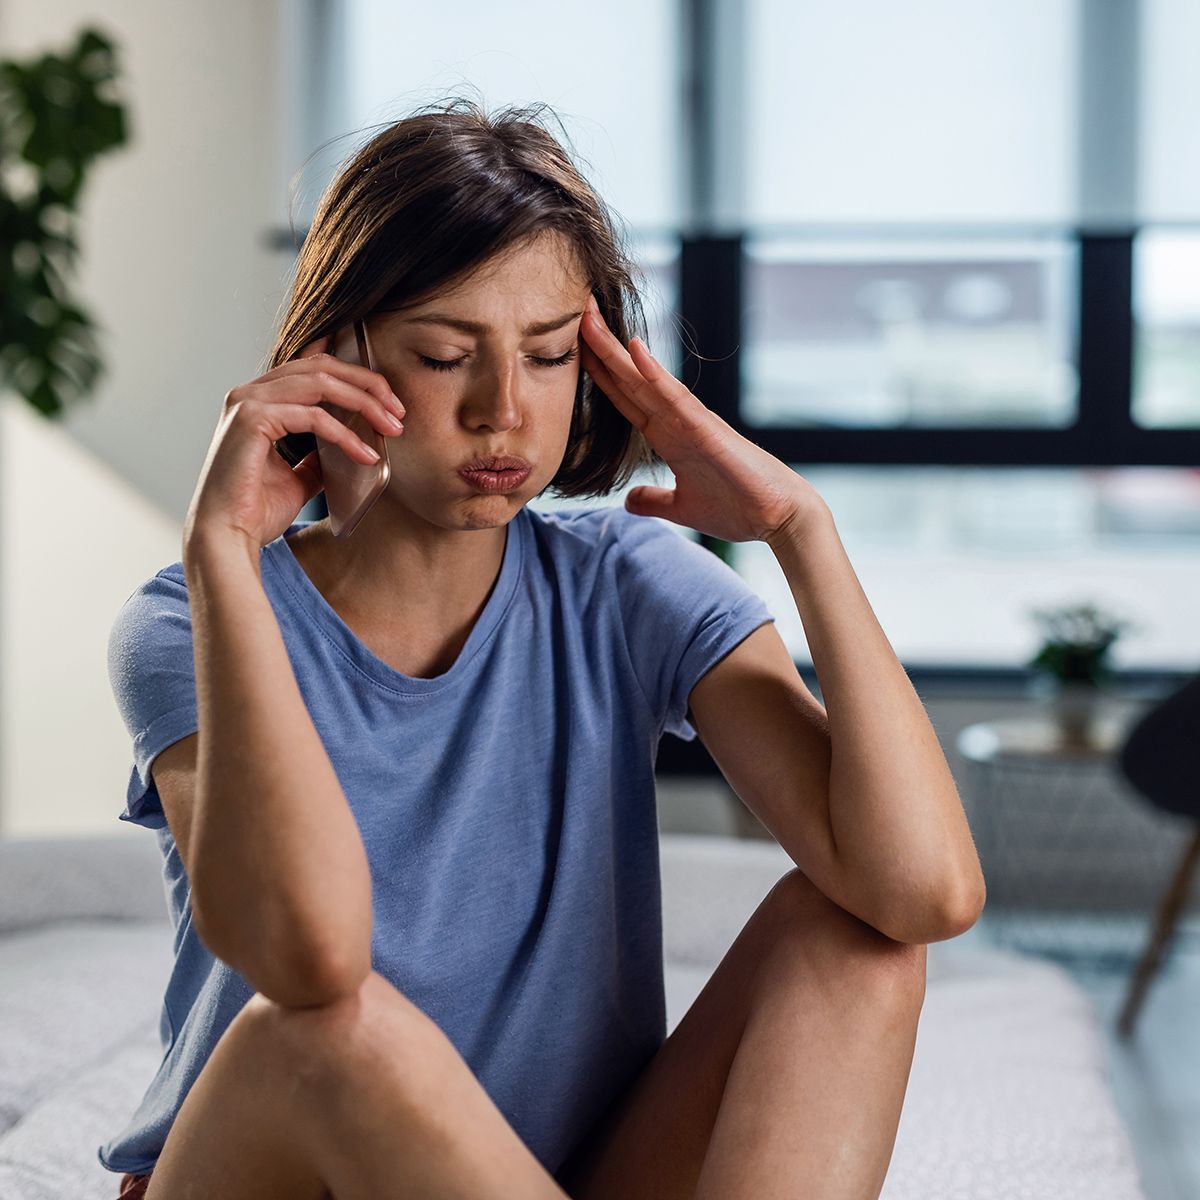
(725, 485)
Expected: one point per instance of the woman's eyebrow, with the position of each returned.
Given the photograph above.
(478, 327)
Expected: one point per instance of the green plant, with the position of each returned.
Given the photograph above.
(1077, 641)
(57, 113)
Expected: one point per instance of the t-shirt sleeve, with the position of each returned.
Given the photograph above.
(683, 609)
(152, 673)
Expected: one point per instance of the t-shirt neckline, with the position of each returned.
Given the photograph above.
(310, 600)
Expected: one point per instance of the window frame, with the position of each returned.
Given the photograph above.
(709, 308)
(1104, 432)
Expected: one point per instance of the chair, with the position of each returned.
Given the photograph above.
(1160, 758)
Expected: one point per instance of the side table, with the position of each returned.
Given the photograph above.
(1064, 847)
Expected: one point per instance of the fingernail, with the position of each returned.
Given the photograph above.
(395, 420)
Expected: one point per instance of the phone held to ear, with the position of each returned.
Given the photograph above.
(351, 487)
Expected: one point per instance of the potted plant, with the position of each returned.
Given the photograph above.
(1073, 670)
(57, 114)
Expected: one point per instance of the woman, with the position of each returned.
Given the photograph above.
(404, 782)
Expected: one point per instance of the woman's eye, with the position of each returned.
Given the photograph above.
(450, 364)
(439, 364)
(561, 361)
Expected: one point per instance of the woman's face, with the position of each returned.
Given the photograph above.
(506, 386)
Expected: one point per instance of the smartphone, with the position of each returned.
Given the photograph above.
(350, 486)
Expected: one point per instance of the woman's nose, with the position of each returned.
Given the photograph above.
(498, 399)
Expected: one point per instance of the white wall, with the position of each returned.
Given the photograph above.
(77, 540)
(176, 271)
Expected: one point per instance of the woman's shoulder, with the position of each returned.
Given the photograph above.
(168, 585)
(164, 592)
(628, 554)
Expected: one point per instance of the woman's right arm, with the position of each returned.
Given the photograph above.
(281, 885)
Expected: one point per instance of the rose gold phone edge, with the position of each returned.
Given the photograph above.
(351, 487)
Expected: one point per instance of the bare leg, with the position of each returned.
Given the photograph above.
(364, 1099)
(786, 1075)
(812, 1102)
(398, 1113)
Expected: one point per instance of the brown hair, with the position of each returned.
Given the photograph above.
(429, 199)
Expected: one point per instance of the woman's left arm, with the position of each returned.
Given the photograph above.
(894, 810)
(894, 817)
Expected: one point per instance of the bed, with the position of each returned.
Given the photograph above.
(1008, 1098)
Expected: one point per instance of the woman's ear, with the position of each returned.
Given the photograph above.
(344, 344)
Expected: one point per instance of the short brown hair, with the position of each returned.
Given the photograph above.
(429, 199)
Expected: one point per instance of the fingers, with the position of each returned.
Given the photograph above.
(640, 381)
(324, 385)
(611, 387)
(604, 346)
(298, 396)
(304, 418)
(319, 349)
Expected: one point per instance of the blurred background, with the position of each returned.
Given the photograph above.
(941, 258)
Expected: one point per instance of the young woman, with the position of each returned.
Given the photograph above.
(404, 782)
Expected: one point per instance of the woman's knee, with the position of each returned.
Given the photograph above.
(356, 1032)
(812, 934)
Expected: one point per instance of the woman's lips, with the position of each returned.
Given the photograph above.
(496, 481)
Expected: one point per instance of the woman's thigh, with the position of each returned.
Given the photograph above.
(237, 1134)
(653, 1140)
(361, 1098)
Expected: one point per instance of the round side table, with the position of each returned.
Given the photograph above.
(1063, 845)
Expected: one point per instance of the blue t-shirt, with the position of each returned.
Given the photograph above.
(507, 806)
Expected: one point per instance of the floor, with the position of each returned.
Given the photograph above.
(1155, 1075)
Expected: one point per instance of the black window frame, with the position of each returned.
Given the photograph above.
(709, 310)
(1104, 433)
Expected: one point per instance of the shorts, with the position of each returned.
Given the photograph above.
(133, 1187)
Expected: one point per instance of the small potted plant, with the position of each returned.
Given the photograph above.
(1073, 670)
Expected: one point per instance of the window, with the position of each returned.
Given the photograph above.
(920, 333)
(940, 257)
(954, 558)
(873, 112)
(1169, 153)
(1166, 303)
(607, 75)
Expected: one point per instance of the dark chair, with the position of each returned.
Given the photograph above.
(1160, 758)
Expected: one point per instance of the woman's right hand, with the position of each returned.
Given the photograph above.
(247, 490)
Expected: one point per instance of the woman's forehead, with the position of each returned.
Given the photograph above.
(549, 267)
(529, 305)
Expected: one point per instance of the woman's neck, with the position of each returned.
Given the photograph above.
(411, 600)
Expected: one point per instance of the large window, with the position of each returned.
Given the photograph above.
(869, 111)
(610, 77)
(955, 558)
(926, 333)
(1168, 176)
(1166, 304)
(940, 257)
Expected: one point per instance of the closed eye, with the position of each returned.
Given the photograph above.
(450, 364)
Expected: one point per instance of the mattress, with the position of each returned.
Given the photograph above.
(1008, 1097)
